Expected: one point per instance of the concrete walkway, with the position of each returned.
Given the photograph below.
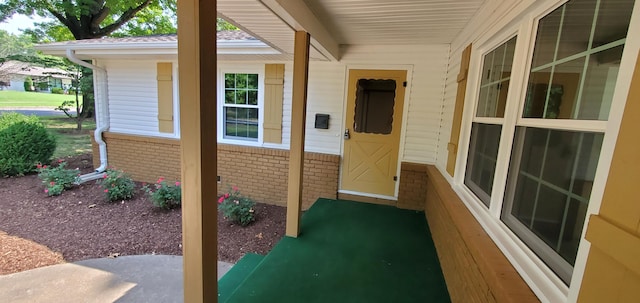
(146, 278)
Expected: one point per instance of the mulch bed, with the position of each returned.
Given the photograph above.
(80, 224)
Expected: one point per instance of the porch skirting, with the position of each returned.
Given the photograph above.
(474, 268)
(260, 173)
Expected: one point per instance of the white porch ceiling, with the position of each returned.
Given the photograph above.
(350, 22)
(394, 22)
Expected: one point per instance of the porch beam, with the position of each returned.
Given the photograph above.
(197, 60)
(298, 118)
(300, 17)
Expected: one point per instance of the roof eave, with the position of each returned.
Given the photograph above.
(97, 50)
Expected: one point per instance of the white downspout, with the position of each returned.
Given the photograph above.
(101, 113)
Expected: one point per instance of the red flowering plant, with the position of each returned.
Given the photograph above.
(56, 179)
(166, 195)
(117, 185)
(236, 207)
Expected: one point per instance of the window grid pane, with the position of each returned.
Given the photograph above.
(241, 106)
(567, 43)
(482, 160)
(494, 86)
(549, 189)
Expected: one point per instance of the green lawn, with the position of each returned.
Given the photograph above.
(32, 99)
(70, 141)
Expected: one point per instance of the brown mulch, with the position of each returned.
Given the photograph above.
(35, 230)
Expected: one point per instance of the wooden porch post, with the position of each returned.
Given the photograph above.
(298, 118)
(197, 64)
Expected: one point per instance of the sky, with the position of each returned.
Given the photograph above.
(17, 22)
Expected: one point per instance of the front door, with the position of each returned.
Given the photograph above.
(372, 131)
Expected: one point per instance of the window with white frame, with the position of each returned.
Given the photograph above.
(241, 106)
(487, 125)
(558, 131)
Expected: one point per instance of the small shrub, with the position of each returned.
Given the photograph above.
(236, 207)
(165, 195)
(117, 185)
(28, 84)
(57, 90)
(24, 141)
(57, 179)
(54, 189)
(43, 86)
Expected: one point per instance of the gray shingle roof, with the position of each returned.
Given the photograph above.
(236, 35)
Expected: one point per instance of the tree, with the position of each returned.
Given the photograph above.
(223, 25)
(79, 85)
(11, 44)
(87, 19)
(152, 21)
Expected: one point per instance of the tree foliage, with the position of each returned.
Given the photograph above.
(87, 19)
(223, 25)
(11, 44)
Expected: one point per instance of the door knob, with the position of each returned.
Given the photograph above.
(347, 135)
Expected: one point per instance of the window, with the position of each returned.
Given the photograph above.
(552, 135)
(487, 127)
(375, 100)
(241, 106)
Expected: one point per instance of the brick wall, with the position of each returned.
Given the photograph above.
(474, 268)
(260, 173)
(144, 158)
(413, 186)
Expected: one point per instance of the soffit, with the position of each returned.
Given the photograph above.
(372, 22)
(256, 19)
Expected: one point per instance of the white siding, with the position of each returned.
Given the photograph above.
(429, 66)
(493, 17)
(133, 96)
(17, 83)
(325, 95)
(450, 91)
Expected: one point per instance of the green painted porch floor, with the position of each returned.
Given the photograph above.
(348, 252)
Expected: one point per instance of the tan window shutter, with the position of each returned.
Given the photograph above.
(273, 96)
(165, 97)
(452, 147)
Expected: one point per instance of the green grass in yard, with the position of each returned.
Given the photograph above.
(70, 142)
(32, 99)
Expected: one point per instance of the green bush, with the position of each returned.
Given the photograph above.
(57, 90)
(165, 195)
(43, 86)
(236, 207)
(117, 185)
(24, 141)
(57, 179)
(28, 84)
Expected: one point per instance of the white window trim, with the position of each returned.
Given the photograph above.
(241, 69)
(543, 281)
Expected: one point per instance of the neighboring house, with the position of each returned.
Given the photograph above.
(14, 73)
(499, 118)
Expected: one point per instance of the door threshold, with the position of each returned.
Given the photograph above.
(367, 199)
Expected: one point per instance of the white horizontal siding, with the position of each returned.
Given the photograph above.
(325, 95)
(133, 96)
(490, 19)
(449, 100)
(425, 87)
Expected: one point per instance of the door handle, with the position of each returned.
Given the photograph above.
(347, 135)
